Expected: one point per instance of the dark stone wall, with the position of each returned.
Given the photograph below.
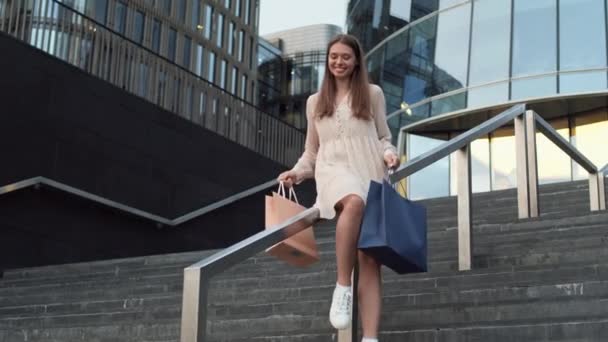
(61, 123)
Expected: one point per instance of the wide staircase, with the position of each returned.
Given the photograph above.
(532, 280)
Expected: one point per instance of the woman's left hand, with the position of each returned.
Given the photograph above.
(391, 160)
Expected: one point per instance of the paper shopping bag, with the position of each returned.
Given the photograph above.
(299, 249)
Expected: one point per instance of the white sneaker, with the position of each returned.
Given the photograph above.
(341, 307)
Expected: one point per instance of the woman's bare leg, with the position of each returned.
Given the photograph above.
(369, 291)
(347, 234)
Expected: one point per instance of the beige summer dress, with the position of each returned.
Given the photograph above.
(344, 153)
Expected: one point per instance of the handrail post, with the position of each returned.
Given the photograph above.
(532, 163)
(465, 212)
(597, 195)
(602, 189)
(527, 171)
(194, 306)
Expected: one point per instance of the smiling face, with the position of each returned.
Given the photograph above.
(341, 61)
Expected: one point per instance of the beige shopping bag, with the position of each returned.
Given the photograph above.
(300, 249)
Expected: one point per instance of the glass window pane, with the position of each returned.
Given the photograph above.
(199, 61)
(490, 41)
(449, 104)
(553, 163)
(234, 80)
(420, 52)
(247, 11)
(488, 95)
(196, 14)
(433, 181)
(138, 29)
(534, 37)
(208, 21)
(101, 9)
(241, 45)
(237, 8)
(502, 145)
(220, 30)
(393, 73)
(582, 82)
(448, 3)
(582, 34)
(181, 10)
(211, 71)
(451, 59)
(401, 9)
(231, 39)
(533, 87)
(187, 51)
(223, 71)
(156, 35)
(171, 45)
(589, 137)
(120, 17)
(244, 86)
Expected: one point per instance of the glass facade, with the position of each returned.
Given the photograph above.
(460, 55)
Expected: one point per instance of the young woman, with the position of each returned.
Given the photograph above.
(348, 143)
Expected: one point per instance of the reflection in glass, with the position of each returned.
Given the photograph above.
(582, 34)
(503, 171)
(490, 41)
(451, 55)
(582, 81)
(533, 87)
(433, 181)
(401, 9)
(534, 37)
(589, 137)
(395, 66)
(420, 52)
(553, 163)
(488, 95)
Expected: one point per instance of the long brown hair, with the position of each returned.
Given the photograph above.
(359, 84)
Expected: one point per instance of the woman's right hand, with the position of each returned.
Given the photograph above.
(288, 178)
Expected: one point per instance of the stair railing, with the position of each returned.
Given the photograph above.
(198, 276)
(159, 220)
(526, 123)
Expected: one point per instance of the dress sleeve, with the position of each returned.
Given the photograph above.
(305, 167)
(379, 111)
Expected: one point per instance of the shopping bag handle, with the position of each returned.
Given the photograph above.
(292, 193)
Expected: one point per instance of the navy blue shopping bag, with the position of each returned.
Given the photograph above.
(394, 230)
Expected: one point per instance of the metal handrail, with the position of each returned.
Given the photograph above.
(36, 181)
(462, 140)
(198, 275)
(551, 134)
